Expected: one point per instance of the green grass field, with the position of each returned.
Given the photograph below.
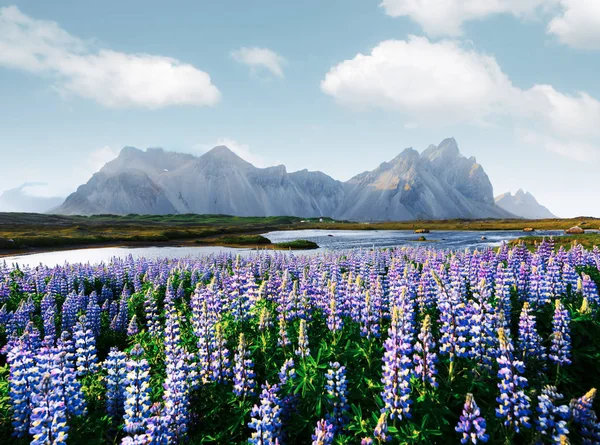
(22, 231)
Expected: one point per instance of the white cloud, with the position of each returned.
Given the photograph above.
(260, 58)
(421, 79)
(432, 83)
(446, 17)
(114, 79)
(579, 24)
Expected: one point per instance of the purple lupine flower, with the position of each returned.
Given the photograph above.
(116, 381)
(505, 281)
(471, 425)
(337, 390)
(425, 357)
(22, 381)
(93, 314)
(529, 341)
(243, 370)
(585, 418)
(204, 330)
(71, 387)
(266, 420)
(283, 339)
(334, 319)
(303, 349)
(560, 349)
(219, 357)
(151, 315)
(137, 392)
(369, 320)
(381, 429)
(514, 405)
(132, 329)
(177, 384)
(323, 434)
(590, 290)
(49, 325)
(85, 349)
(397, 367)
(287, 372)
(552, 420)
(49, 413)
(264, 322)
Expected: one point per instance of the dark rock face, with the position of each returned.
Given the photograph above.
(439, 183)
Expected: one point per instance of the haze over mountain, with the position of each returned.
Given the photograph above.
(439, 183)
(20, 200)
(523, 204)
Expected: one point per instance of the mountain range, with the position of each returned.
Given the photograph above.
(523, 204)
(439, 183)
(20, 199)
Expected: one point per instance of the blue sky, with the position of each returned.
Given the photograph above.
(338, 86)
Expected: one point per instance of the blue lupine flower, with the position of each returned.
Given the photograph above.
(116, 381)
(397, 367)
(266, 420)
(220, 364)
(529, 341)
(303, 349)
(425, 357)
(287, 372)
(132, 329)
(243, 370)
(283, 339)
(49, 413)
(381, 429)
(85, 348)
(23, 378)
(137, 392)
(514, 403)
(471, 425)
(585, 418)
(337, 389)
(324, 432)
(71, 387)
(560, 350)
(552, 419)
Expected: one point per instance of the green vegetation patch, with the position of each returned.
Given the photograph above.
(298, 244)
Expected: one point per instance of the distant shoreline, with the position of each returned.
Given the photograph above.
(27, 233)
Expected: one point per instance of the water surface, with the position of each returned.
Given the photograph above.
(326, 239)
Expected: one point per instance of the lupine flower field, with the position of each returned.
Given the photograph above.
(408, 345)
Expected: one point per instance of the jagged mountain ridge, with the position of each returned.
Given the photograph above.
(523, 204)
(439, 183)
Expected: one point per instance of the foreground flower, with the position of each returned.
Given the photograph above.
(266, 421)
(137, 392)
(337, 389)
(552, 419)
(49, 414)
(560, 350)
(471, 425)
(425, 357)
(514, 405)
(585, 417)
(397, 367)
(323, 433)
(243, 371)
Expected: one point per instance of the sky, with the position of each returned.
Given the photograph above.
(333, 85)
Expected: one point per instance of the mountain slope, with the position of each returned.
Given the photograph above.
(439, 183)
(523, 204)
(19, 200)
